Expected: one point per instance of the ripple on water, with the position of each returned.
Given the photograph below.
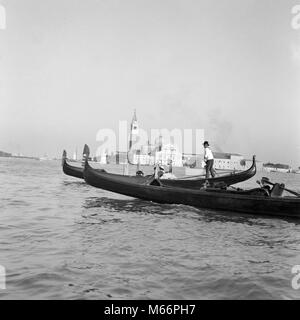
(62, 239)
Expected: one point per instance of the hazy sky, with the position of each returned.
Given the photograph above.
(69, 68)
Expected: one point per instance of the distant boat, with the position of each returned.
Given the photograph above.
(44, 158)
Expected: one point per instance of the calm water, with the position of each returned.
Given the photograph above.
(62, 239)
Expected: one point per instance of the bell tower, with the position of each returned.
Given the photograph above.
(134, 130)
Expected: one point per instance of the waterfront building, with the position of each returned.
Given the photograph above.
(229, 161)
(167, 154)
(118, 158)
(150, 154)
(278, 167)
(5, 154)
(103, 158)
(222, 161)
(144, 159)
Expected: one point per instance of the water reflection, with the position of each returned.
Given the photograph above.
(74, 183)
(128, 205)
(63, 239)
(207, 215)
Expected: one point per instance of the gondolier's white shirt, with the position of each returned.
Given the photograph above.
(208, 155)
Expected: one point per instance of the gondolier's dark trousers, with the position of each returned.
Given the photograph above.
(209, 168)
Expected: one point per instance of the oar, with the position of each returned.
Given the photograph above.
(191, 177)
(234, 188)
(266, 180)
(218, 175)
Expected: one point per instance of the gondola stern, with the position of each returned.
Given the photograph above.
(85, 155)
(254, 164)
(64, 158)
(86, 151)
(85, 161)
(252, 169)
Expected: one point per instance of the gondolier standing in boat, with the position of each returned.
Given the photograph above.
(209, 160)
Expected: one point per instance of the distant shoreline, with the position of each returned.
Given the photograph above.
(144, 166)
(20, 157)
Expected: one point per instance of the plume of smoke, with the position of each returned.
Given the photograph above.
(185, 110)
(218, 129)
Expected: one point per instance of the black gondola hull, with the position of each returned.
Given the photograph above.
(219, 200)
(196, 183)
(72, 171)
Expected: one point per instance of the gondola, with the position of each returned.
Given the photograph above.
(227, 180)
(256, 201)
(195, 183)
(77, 172)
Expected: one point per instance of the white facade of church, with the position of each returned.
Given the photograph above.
(169, 154)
